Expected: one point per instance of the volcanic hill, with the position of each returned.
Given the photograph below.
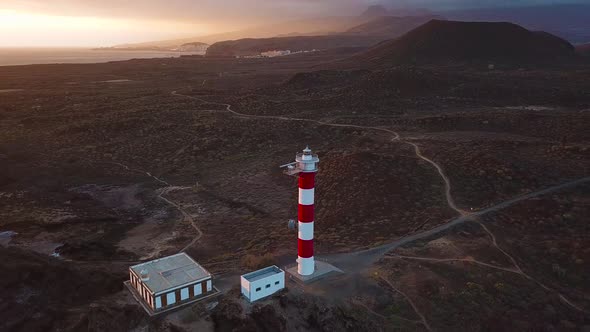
(440, 41)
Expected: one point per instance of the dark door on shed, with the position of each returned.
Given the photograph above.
(204, 287)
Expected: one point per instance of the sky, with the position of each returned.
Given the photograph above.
(90, 23)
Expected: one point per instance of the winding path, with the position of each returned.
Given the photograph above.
(519, 270)
(165, 190)
(410, 301)
(448, 260)
(396, 137)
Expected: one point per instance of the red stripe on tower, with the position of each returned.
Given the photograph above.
(306, 213)
(306, 180)
(305, 248)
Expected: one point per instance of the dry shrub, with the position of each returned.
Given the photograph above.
(254, 262)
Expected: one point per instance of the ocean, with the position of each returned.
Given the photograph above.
(29, 56)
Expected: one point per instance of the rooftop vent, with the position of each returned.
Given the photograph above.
(144, 275)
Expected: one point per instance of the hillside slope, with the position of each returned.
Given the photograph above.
(364, 35)
(317, 26)
(583, 49)
(254, 46)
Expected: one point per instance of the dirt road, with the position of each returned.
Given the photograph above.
(370, 256)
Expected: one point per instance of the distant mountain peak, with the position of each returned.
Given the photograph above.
(375, 11)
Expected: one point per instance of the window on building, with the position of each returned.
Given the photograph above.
(268, 286)
(258, 289)
(276, 282)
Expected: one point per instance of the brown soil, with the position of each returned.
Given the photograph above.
(85, 168)
(465, 294)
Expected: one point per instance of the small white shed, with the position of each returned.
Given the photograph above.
(262, 283)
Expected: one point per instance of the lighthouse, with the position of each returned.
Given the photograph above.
(305, 167)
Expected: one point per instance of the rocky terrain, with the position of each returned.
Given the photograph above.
(38, 290)
(514, 283)
(106, 165)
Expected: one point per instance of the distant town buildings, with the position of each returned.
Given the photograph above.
(262, 283)
(200, 48)
(272, 54)
(275, 53)
(170, 281)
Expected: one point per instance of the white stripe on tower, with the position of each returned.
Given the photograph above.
(306, 196)
(306, 230)
(305, 266)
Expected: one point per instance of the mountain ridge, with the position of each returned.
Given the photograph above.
(363, 35)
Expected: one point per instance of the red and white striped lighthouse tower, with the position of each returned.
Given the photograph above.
(306, 166)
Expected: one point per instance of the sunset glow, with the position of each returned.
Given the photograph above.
(23, 29)
(91, 23)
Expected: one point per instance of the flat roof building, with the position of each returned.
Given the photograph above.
(170, 281)
(262, 283)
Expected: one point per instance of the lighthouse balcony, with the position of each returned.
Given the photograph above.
(296, 168)
(305, 161)
(293, 169)
(307, 158)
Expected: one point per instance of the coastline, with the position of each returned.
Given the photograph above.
(45, 56)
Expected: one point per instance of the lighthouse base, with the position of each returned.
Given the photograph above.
(322, 270)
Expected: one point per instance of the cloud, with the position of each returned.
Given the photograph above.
(229, 14)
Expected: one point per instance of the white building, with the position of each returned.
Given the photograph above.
(272, 54)
(170, 281)
(262, 283)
